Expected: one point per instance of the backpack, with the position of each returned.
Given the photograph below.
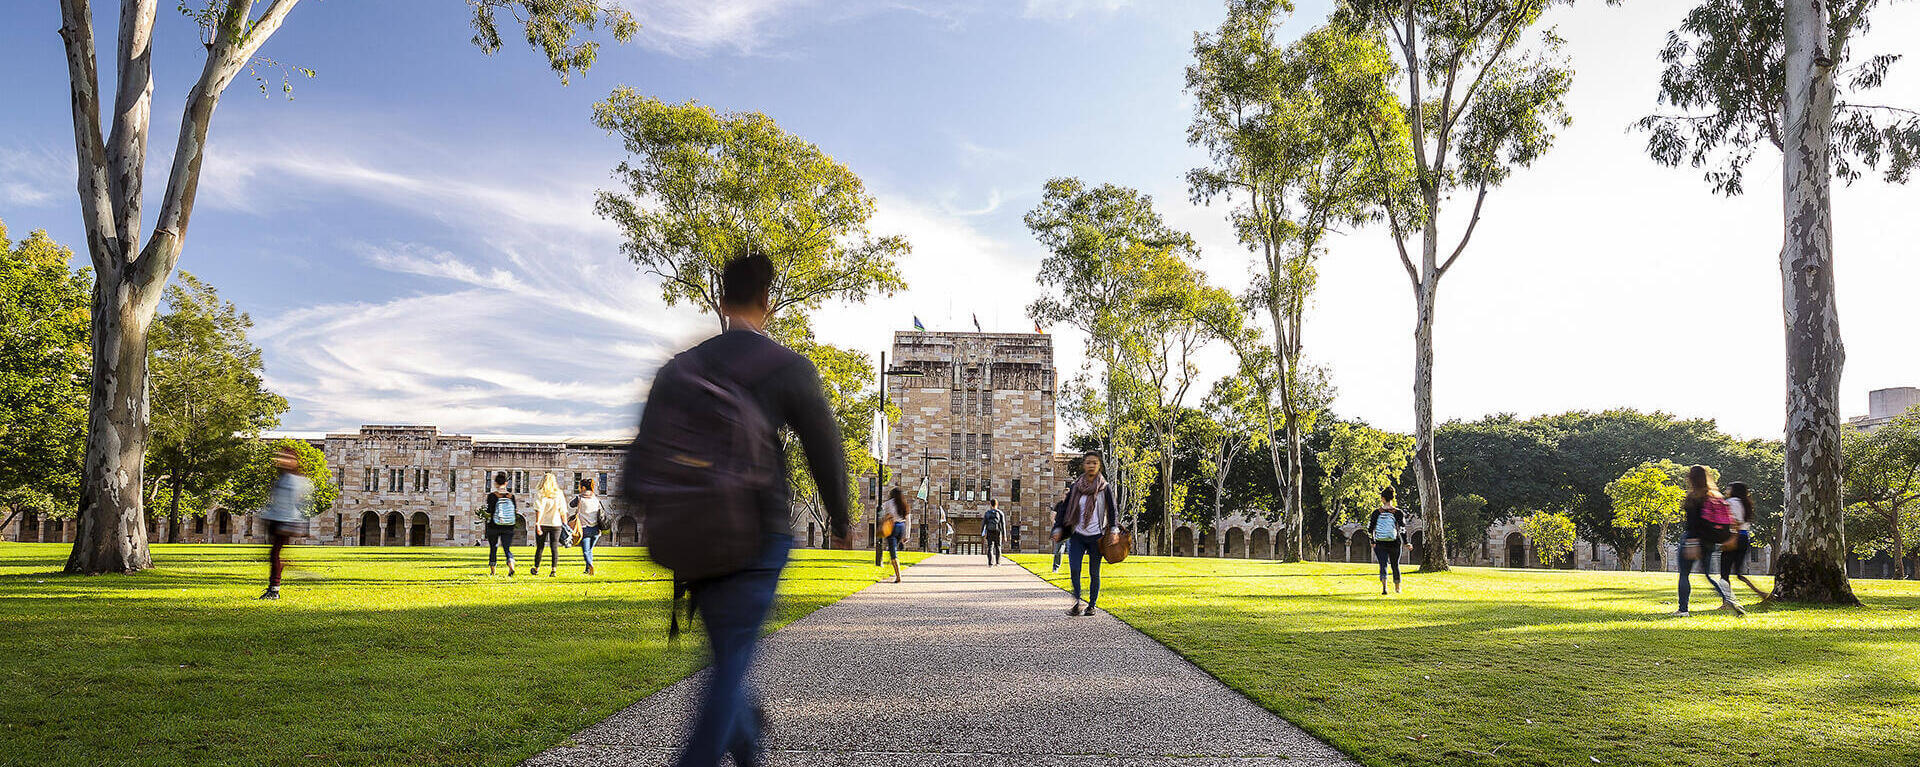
(504, 511)
(701, 466)
(1383, 528)
(1716, 512)
(993, 521)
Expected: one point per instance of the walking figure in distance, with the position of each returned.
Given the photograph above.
(1387, 526)
(591, 517)
(707, 467)
(502, 515)
(1733, 562)
(283, 515)
(1708, 525)
(549, 515)
(1085, 516)
(991, 524)
(894, 529)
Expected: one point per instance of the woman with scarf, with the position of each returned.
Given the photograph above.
(1081, 519)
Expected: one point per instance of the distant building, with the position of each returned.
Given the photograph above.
(1884, 405)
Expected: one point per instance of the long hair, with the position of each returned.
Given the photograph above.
(550, 487)
(1700, 484)
(1739, 490)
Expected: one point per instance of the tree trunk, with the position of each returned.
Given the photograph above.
(1813, 564)
(108, 536)
(1295, 527)
(1425, 464)
(173, 510)
(1164, 536)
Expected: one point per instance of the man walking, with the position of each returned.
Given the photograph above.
(991, 523)
(283, 515)
(785, 390)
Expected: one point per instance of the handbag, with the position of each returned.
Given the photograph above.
(886, 527)
(1115, 546)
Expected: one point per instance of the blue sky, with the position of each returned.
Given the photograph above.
(413, 232)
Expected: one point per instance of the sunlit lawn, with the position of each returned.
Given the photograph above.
(1540, 667)
(373, 656)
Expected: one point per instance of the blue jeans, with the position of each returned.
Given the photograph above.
(1087, 547)
(1705, 563)
(734, 608)
(589, 535)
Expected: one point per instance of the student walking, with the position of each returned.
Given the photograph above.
(502, 515)
(283, 515)
(894, 530)
(1084, 517)
(549, 516)
(1708, 525)
(591, 517)
(707, 460)
(1387, 526)
(991, 525)
(1733, 562)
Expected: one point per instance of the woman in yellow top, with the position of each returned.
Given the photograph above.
(549, 515)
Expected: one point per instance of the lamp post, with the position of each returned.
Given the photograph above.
(885, 431)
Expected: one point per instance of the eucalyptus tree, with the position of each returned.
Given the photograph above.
(1102, 243)
(1484, 93)
(43, 374)
(1286, 130)
(1741, 74)
(704, 186)
(130, 274)
(1233, 424)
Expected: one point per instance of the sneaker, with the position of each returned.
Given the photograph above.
(271, 593)
(1735, 607)
(552, 572)
(1087, 611)
(1681, 614)
(536, 569)
(1075, 610)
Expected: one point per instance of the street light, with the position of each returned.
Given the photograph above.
(885, 431)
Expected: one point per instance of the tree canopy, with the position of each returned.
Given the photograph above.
(43, 371)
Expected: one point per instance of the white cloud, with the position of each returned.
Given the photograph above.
(1067, 9)
(35, 177)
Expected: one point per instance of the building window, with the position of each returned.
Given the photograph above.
(519, 481)
(600, 487)
(394, 478)
(986, 402)
(369, 480)
(969, 488)
(953, 489)
(1016, 491)
(576, 481)
(953, 447)
(420, 480)
(957, 401)
(986, 488)
(986, 447)
(450, 524)
(452, 474)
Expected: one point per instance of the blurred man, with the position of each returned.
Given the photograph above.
(283, 514)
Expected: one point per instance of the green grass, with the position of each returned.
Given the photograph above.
(374, 656)
(1539, 667)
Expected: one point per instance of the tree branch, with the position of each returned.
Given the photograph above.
(132, 108)
(1478, 201)
(96, 203)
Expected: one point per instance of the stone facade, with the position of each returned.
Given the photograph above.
(977, 425)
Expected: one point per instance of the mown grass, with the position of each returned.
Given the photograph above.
(374, 656)
(1539, 667)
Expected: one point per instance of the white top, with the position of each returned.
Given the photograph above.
(587, 509)
(1092, 524)
(549, 512)
(1739, 512)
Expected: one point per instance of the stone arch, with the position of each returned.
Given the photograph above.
(369, 529)
(417, 531)
(627, 531)
(1358, 549)
(1236, 543)
(394, 531)
(222, 522)
(1206, 548)
(29, 527)
(1183, 541)
(1516, 550)
(1261, 547)
(811, 528)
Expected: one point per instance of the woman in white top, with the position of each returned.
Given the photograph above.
(1081, 519)
(1733, 562)
(591, 517)
(549, 515)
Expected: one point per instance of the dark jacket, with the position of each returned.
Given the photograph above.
(1399, 524)
(1061, 519)
(993, 520)
(790, 396)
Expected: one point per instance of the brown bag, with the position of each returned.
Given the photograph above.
(1115, 546)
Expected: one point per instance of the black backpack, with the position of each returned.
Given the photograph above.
(702, 464)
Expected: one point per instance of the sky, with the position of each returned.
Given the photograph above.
(413, 235)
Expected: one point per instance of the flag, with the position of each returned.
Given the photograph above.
(1036, 328)
(923, 488)
(877, 439)
(976, 323)
(916, 323)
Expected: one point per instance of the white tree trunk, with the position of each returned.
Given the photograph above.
(1426, 468)
(109, 535)
(1813, 563)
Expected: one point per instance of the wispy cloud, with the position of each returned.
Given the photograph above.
(1067, 9)
(34, 177)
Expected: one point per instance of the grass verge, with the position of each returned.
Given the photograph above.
(374, 655)
(1539, 667)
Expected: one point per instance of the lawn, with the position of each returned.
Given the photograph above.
(373, 656)
(1539, 667)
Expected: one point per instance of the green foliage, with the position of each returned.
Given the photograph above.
(1881, 475)
(1359, 463)
(209, 399)
(703, 186)
(1725, 79)
(1646, 495)
(252, 488)
(1551, 534)
(551, 28)
(43, 370)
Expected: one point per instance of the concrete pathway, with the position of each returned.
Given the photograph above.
(969, 666)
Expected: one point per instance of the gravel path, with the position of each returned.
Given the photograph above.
(969, 666)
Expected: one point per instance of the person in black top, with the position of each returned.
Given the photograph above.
(991, 523)
(1386, 527)
(735, 606)
(502, 515)
(1702, 542)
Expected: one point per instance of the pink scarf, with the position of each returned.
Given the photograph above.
(1084, 488)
